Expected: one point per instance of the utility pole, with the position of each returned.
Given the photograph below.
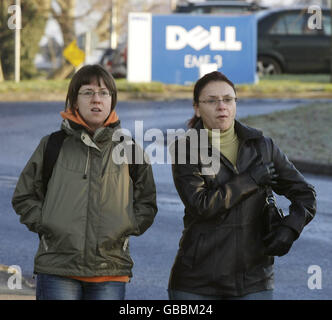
(331, 42)
(1, 73)
(113, 25)
(18, 27)
(87, 46)
(173, 4)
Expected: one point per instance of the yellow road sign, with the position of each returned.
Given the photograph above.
(74, 54)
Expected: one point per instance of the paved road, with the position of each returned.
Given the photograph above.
(23, 124)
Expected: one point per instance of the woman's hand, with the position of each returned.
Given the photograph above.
(264, 174)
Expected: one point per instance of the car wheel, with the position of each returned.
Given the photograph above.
(267, 66)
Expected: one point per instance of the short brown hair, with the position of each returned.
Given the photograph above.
(86, 75)
(200, 84)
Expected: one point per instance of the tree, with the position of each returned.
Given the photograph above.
(65, 16)
(34, 17)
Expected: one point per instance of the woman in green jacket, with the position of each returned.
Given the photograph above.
(93, 203)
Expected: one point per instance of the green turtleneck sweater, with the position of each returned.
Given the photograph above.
(226, 142)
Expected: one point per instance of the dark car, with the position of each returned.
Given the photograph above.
(286, 44)
(217, 7)
(115, 61)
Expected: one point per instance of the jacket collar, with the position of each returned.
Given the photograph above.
(100, 135)
(243, 131)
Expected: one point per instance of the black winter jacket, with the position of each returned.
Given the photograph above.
(221, 249)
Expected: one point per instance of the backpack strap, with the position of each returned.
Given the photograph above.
(51, 154)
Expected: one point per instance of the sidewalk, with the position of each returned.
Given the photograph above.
(16, 297)
(27, 292)
(313, 167)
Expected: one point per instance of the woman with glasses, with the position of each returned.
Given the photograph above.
(223, 252)
(92, 204)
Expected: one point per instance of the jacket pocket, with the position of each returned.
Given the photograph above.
(115, 253)
(192, 251)
(253, 254)
(105, 248)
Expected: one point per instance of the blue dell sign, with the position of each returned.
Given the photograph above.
(180, 48)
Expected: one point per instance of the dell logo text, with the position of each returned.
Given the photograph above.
(178, 37)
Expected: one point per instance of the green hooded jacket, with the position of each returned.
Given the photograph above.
(91, 207)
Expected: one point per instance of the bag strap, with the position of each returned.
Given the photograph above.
(270, 198)
(261, 145)
(51, 154)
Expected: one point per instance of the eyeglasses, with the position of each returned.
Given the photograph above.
(90, 93)
(215, 102)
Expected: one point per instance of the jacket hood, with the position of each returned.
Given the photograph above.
(76, 117)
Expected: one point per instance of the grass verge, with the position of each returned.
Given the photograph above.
(286, 86)
(303, 133)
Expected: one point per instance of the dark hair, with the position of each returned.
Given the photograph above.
(200, 84)
(86, 75)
